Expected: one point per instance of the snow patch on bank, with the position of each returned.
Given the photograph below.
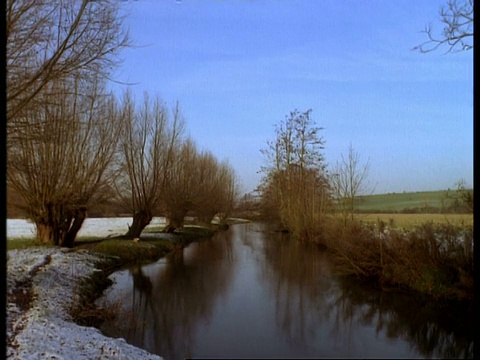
(45, 329)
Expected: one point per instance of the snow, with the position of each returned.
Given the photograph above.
(98, 227)
(45, 330)
(19, 228)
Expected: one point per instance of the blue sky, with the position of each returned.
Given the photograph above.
(238, 67)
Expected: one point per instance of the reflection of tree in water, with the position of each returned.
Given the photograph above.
(433, 330)
(143, 290)
(307, 299)
(170, 302)
(249, 234)
(299, 275)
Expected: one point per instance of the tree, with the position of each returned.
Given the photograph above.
(348, 179)
(229, 191)
(462, 198)
(465, 194)
(197, 182)
(216, 189)
(61, 127)
(48, 41)
(147, 147)
(62, 164)
(181, 185)
(295, 180)
(457, 19)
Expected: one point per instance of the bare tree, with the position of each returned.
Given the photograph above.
(215, 190)
(197, 182)
(47, 41)
(465, 194)
(462, 199)
(229, 191)
(295, 174)
(181, 185)
(149, 141)
(457, 34)
(61, 126)
(61, 165)
(206, 195)
(348, 180)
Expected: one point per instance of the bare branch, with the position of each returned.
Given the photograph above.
(457, 33)
(48, 40)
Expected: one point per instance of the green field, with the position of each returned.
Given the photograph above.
(399, 202)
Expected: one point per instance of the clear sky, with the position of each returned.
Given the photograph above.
(238, 67)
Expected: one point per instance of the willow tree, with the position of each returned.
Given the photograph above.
(60, 128)
(149, 140)
(62, 165)
(47, 41)
(228, 192)
(295, 184)
(215, 189)
(199, 183)
(181, 185)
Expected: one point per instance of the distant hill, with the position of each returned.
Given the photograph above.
(443, 201)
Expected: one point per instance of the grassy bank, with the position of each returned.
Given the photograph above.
(118, 253)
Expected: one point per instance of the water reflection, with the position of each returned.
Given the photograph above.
(432, 330)
(253, 293)
(170, 298)
(299, 278)
(307, 298)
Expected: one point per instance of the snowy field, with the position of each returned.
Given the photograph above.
(101, 227)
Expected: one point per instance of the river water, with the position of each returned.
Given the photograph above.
(252, 293)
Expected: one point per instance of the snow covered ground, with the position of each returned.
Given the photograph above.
(45, 330)
(102, 227)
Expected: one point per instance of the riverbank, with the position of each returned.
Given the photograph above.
(50, 291)
(43, 284)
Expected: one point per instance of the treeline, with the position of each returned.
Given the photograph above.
(72, 145)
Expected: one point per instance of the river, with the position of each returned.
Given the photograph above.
(253, 293)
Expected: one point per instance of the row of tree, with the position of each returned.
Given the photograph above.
(82, 148)
(72, 145)
(160, 171)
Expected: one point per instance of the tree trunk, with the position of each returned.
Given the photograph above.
(175, 220)
(49, 224)
(205, 219)
(45, 233)
(140, 219)
(70, 236)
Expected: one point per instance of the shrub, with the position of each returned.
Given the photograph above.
(434, 259)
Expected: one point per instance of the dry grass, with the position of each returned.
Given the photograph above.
(409, 221)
